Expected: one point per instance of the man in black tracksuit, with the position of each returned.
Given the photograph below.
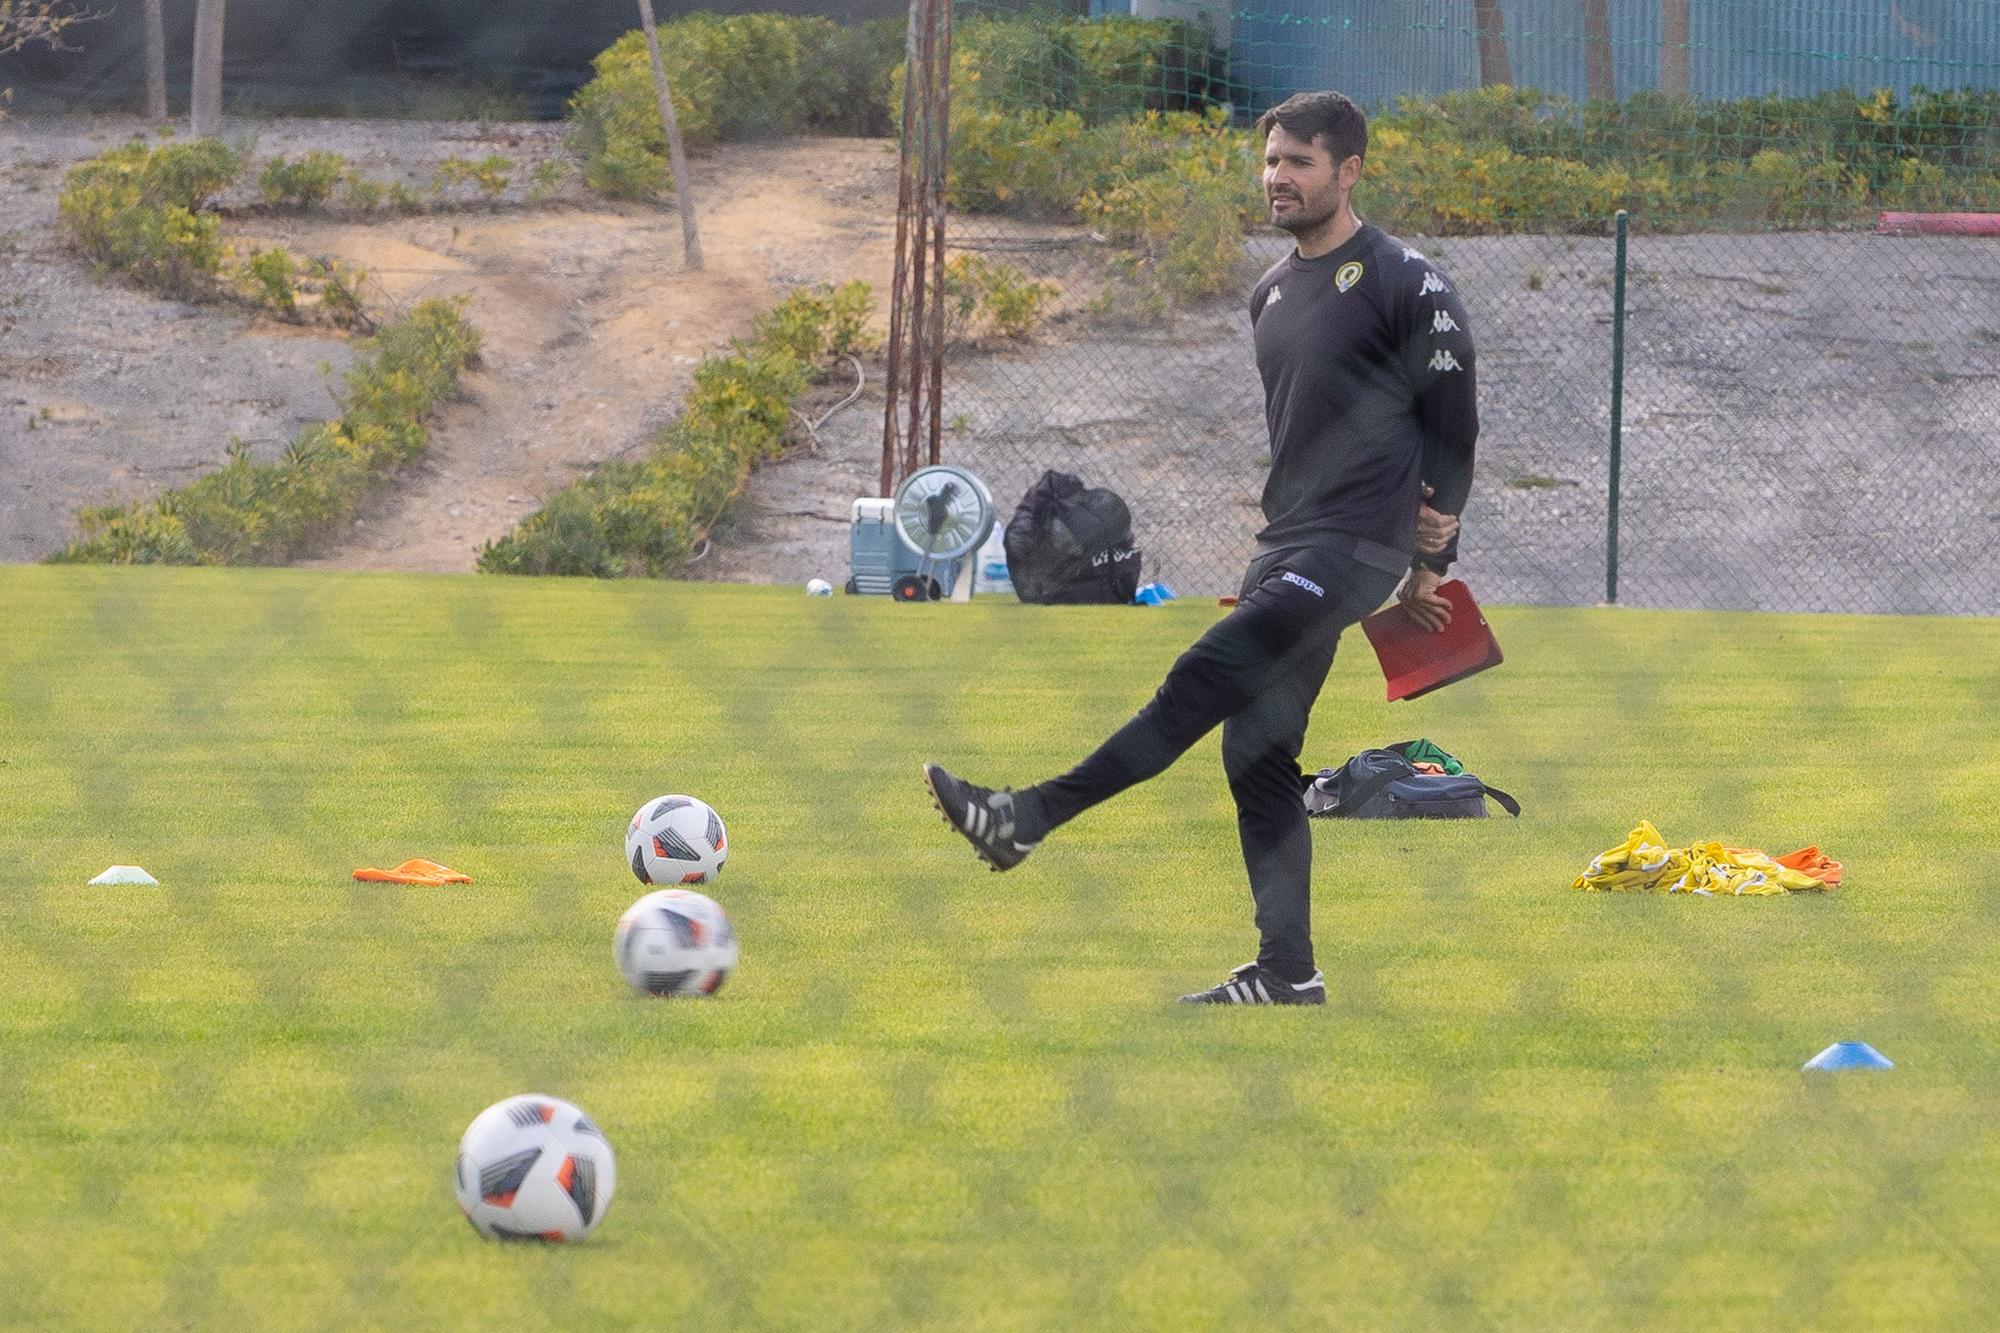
(1367, 365)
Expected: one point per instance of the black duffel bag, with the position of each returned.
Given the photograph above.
(1071, 543)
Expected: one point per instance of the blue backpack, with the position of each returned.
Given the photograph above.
(1382, 784)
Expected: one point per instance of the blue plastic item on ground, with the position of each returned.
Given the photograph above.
(1152, 594)
(1850, 1055)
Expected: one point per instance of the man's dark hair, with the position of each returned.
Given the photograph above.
(1327, 118)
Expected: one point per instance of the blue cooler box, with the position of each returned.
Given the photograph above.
(877, 557)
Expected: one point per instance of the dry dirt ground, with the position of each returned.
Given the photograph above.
(592, 326)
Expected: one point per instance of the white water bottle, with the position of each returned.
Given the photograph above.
(991, 574)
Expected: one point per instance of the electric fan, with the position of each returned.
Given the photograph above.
(942, 513)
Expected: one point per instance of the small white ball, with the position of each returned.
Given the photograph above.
(819, 588)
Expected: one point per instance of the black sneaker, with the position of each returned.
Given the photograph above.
(984, 816)
(1251, 984)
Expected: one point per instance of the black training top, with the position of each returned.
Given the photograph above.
(1367, 365)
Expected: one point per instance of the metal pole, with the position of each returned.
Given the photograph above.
(683, 187)
(1617, 411)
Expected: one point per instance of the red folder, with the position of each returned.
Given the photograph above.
(1416, 661)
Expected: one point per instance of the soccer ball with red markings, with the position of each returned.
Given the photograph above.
(534, 1168)
(676, 840)
(676, 942)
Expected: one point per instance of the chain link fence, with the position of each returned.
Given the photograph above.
(1809, 398)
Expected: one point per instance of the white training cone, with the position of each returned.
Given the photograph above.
(125, 875)
(1850, 1055)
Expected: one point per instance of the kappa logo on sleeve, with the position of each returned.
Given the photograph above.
(1442, 322)
(1409, 254)
(1273, 298)
(1444, 360)
(1433, 283)
(1303, 582)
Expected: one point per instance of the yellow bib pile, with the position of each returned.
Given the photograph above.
(1643, 863)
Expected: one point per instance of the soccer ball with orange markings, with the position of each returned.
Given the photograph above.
(534, 1168)
(676, 840)
(676, 942)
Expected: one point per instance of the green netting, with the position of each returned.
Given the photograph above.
(1804, 389)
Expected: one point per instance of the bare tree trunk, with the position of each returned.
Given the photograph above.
(205, 99)
(1490, 22)
(1674, 74)
(156, 62)
(1599, 80)
(899, 285)
(683, 187)
(940, 164)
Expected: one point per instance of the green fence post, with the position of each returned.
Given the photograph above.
(1617, 411)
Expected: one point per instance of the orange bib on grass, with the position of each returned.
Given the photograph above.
(414, 872)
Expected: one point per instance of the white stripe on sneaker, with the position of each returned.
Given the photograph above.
(1262, 992)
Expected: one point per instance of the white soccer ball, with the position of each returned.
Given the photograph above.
(534, 1168)
(676, 942)
(676, 840)
(819, 588)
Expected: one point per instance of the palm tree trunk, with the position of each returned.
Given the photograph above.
(205, 99)
(1490, 22)
(1674, 73)
(156, 62)
(1599, 80)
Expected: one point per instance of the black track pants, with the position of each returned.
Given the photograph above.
(1257, 671)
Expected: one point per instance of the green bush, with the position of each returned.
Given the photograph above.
(340, 294)
(735, 77)
(845, 77)
(142, 211)
(1166, 187)
(1101, 69)
(1026, 163)
(980, 295)
(265, 513)
(647, 517)
(1709, 146)
(489, 174)
(307, 183)
(547, 178)
(365, 195)
(1176, 189)
(272, 280)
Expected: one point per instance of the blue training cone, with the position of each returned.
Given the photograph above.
(1850, 1055)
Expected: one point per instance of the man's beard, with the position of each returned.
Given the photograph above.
(1298, 219)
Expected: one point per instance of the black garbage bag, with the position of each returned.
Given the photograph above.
(1070, 543)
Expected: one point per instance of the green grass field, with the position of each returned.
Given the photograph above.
(936, 1097)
